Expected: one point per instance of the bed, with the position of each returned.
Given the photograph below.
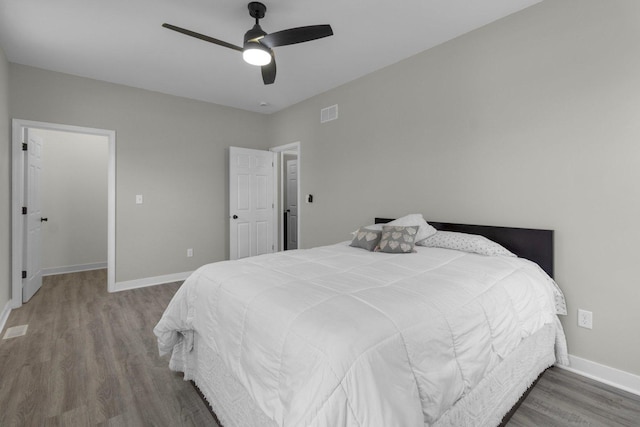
(339, 336)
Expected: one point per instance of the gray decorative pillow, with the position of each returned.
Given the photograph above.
(397, 239)
(366, 238)
(465, 242)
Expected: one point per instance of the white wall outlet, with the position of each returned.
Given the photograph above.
(190, 252)
(585, 319)
(138, 199)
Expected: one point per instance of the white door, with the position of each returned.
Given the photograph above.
(250, 202)
(33, 220)
(292, 204)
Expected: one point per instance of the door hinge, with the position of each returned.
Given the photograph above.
(24, 146)
(24, 274)
(24, 210)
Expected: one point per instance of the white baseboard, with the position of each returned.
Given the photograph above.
(150, 281)
(605, 374)
(73, 268)
(4, 315)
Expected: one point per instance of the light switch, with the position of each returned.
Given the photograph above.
(138, 199)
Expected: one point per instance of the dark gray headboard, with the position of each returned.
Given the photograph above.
(532, 244)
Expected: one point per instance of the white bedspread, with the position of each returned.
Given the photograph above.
(338, 336)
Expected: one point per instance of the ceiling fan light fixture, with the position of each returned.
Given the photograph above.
(258, 45)
(256, 54)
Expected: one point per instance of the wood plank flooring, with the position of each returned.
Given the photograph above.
(562, 398)
(90, 358)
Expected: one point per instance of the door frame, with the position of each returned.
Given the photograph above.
(17, 200)
(279, 190)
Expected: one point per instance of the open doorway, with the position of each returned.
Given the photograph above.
(290, 202)
(73, 197)
(288, 190)
(63, 203)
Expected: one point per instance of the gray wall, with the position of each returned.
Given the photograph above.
(74, 199)
(532, 121)
(5, 185)
(171, 150)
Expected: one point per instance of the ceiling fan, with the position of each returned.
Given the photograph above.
(258, 45)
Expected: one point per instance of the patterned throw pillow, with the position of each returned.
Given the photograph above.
(397, 239)
(366, 238)
(465, 242)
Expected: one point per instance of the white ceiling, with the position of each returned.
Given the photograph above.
(122, 41)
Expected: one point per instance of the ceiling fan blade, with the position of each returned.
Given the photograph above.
(202, 37)
(297, 35)
(269, 71)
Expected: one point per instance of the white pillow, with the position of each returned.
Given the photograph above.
(466, 243)
(425, 229)
(374, 227)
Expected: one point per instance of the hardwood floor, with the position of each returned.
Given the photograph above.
(90, 358)
(562, 398)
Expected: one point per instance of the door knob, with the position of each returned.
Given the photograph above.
(44, 219)
(235, 217)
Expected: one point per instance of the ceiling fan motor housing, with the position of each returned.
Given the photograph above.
(253, 34)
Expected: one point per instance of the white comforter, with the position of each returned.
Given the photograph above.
(338, 336)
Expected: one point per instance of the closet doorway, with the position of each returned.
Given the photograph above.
(290, 202)
(63, 203)
(288, 191)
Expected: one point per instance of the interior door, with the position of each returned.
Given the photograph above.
(292, 204)
(251, 202)
(33, 221)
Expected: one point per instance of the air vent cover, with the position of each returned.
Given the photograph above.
(329, 113)
(15, 331)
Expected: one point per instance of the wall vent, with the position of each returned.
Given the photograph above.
(329, 113)
(16, 331)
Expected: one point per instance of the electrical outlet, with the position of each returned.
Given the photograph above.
(190, 252)
(138, 199)
(585, 319)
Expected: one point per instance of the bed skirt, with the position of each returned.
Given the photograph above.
(485, 405)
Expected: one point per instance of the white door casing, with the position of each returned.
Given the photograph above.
(33, 224)
(251, 202)
(292, 204)
(19, 190)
